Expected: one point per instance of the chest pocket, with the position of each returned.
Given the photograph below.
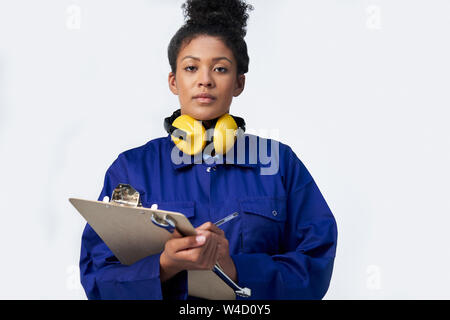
(185, 207)
(263, 220)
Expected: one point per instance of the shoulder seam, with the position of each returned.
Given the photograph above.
(302, 187)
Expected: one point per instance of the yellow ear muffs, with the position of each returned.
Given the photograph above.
(224, 134)
(195, 139)
(191, 136)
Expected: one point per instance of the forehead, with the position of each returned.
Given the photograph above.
(206, 48)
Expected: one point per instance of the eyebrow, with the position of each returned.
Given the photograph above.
(214, 59)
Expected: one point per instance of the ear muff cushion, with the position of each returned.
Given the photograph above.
(224, 134)
(195, 138)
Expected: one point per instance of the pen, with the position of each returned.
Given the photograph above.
(240, 291)
(226, 219)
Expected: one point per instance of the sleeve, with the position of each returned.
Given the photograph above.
(104, 277)
(303, 267)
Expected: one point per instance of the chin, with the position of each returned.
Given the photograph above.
(205, 112)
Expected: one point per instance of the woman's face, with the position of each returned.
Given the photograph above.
(206, 65)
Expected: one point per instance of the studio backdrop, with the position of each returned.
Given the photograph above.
(358, 89)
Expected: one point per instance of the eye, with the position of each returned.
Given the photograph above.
(187, 68)
(192, 68)
(222, 68)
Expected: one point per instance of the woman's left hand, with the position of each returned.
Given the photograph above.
(225, 261)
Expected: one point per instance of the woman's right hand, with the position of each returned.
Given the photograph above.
(199, 252)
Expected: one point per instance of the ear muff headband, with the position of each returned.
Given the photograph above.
(189, 135)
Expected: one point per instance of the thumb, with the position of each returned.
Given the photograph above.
(189, 242)
(176, 234)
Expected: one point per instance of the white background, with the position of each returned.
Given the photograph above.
(358, 89)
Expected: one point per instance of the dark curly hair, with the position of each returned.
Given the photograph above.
(226, 19)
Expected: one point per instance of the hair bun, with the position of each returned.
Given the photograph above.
(231, 14)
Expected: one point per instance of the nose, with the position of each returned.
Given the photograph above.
(205, 79)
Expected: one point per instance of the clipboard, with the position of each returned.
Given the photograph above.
(131, 235)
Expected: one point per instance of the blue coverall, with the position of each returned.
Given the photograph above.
(283, 241)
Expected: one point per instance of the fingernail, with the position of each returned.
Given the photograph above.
(200, 239)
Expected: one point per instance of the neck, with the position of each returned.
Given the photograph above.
(209, 123)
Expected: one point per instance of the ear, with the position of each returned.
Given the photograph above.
(240, 84)
(173, 83)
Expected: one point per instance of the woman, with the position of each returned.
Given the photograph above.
(282, 242)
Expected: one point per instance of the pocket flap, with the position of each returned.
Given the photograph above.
(268, 207)
(185, 207)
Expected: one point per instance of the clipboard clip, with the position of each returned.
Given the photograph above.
(126, 195)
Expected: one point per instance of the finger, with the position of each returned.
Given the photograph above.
(211, 255)
(208, 257)
(218, 253)
(211, 227)
(221, 249)
(220, 241)
(204, 256)
(184, 243)
(189, 254)
(194, 257)
(208, 236)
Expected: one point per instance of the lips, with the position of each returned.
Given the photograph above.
(204, 98)
(204, 95)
